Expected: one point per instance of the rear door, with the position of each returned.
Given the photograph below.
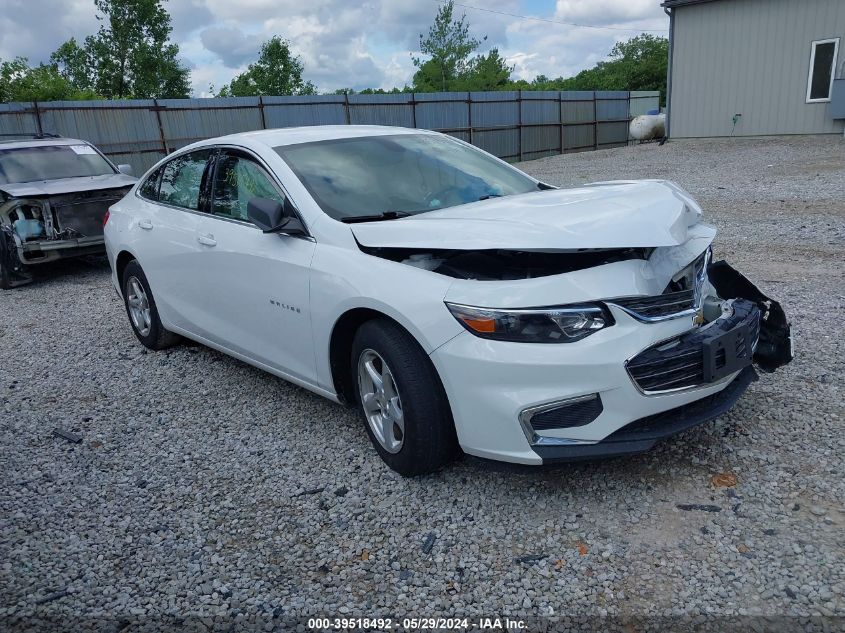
(253, 290)
(166, 232)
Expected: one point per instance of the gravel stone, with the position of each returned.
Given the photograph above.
(238, 520)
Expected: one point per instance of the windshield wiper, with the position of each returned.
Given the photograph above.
(387, 215)
(490, 195)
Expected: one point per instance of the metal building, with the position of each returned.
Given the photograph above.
(756, 67)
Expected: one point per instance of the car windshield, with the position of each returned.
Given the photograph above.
(401, 174)
(49, 162)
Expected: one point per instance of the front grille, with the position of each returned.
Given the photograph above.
(680, 297)
(659, 306)
(568, 416)
(680, 363)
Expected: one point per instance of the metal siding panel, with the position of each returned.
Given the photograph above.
(751, 57)
(496, 110)
(303, 110)
(612, 118)
(188, 120)
(501, 143)
(537, 108)
(16, 118)
(449, 110)
(389, 109)
(577, 107)
(540, 141)
(113, 126)
(641, 101)
(611, 105)
(579, 137)
(612, 134)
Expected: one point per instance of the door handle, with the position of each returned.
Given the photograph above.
(147, 225)
(207, 240)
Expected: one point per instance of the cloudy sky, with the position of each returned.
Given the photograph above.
(344, 43)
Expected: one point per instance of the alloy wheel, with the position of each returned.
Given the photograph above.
(139, 306)
(381, 401)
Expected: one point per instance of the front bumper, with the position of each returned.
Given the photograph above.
(641, 435)
(491, 385)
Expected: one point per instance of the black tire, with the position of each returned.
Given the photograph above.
(429, 440)
(158, 337)
(5, 281)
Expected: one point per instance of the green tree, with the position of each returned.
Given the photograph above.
(20, 82)
(485, 72)
(639, 63)
(448, 46)
(130, 56)
(74, 63)
(276, 72)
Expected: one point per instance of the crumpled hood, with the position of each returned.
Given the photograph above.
(619, 214)
(67, 185)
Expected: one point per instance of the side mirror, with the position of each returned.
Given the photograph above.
(272, 216)
(126, 169)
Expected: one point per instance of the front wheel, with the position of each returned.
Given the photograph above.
(5, 280)
(402, 400)
(142, 312)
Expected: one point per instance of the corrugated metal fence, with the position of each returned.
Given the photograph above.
(517, 125)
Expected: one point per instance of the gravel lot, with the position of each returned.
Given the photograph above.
(204, 487)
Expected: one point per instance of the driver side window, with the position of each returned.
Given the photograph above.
(237, 180)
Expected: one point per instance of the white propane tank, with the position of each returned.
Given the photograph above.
(647, 127)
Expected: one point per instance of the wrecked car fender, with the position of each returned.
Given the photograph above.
(774, 347)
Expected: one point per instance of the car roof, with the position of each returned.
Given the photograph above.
(22, 143)
(311, 133)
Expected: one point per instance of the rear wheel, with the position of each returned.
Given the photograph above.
(402, 400)
(142, 312)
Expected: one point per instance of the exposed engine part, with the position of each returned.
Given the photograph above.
(689, 277)
(82, 215)
(37, 230)
(28, 229)
(774, 347)
(502, 265)
(426, 261)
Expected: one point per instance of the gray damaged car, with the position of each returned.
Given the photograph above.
(54, 195)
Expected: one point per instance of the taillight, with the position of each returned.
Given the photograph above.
(105, 218)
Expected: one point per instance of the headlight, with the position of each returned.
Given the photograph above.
(563, 324)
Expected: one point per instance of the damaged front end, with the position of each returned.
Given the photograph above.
(732, 322)
(774, 346)
(504, 264)
(40, 229)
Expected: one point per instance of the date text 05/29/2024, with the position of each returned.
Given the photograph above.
(415, 624)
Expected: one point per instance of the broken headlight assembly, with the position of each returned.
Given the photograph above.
(559, 324)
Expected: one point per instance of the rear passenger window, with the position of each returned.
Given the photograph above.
(149, 189)
(181, 180)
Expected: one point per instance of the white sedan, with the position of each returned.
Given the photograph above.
(458, 302)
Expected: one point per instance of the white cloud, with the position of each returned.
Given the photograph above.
(230, 44)
(342, 43)
(607, 12)
(35, 29)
